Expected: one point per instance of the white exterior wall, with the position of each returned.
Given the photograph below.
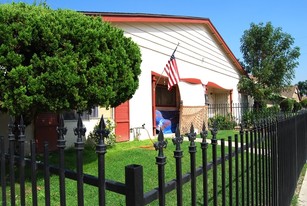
(198, 56)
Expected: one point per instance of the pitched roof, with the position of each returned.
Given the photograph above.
(160, 18)
(290, 91)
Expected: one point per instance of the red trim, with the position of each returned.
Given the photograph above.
(155, 73)
(188, 80)
(154, 19)
(214, 85)
(153, 103)
(191, 80)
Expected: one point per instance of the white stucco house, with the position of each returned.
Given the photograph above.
(208, 69)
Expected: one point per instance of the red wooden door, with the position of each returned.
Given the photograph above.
(122, 129)
(45, 131)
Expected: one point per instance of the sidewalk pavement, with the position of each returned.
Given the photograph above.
(302, 198)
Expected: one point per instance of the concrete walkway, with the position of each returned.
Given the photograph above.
(302, 198)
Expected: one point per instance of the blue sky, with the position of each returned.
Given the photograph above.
(231, 18)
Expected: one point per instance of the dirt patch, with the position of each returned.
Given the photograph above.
(148, 147)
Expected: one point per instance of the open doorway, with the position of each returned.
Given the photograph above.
(165, 106)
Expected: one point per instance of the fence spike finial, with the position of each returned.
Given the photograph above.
(21, 127)
(178, 138)
(160, 144)
(102, 124)
(192, 135)
(102, 130)
(192, 128)
(11, 125)
(80, 130)
(61, 129)
(214, 130)
(204, 133)
(61, 121)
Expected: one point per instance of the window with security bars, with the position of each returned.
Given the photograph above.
(73, 114)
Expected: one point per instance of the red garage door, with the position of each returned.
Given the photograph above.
(122, 129)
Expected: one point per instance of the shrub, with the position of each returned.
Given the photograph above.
(296, 106)
(270, 111)
(93, 138)
(222, 122)
(304, 103)
(286, 105)
(249, 117)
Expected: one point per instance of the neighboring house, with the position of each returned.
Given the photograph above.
(291, 92)
(208, 69)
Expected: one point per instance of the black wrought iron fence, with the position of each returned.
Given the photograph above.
(234, 111)
(260, 166)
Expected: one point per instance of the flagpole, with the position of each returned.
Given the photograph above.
(163, 68)
(176, 48)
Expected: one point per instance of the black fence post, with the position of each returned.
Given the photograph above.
(242, 163)
(33, 173)
(277, 184)
(61, 130)
(270, 195)
(79, 146)
(270, 145)
(263, 162)
(204, 147)
(134, 185)
(161, 161)
(256, 134)
(237, 168)
(247, 167)
(259, 156)
(21, 141)
(46, 174)
(178, 154)
(192, 151)
(251, 133)
(101, 150)
(230, 170)
(266, 149)
(3, 169)
(11, 137)
(214, 163)
(223, 172)
(273, 168)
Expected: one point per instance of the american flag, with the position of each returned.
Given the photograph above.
(171, 70)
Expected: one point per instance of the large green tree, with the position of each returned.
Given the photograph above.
(55, 60)
(302, 86)
(270, 59)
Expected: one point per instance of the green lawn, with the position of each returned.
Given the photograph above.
(224, 134)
